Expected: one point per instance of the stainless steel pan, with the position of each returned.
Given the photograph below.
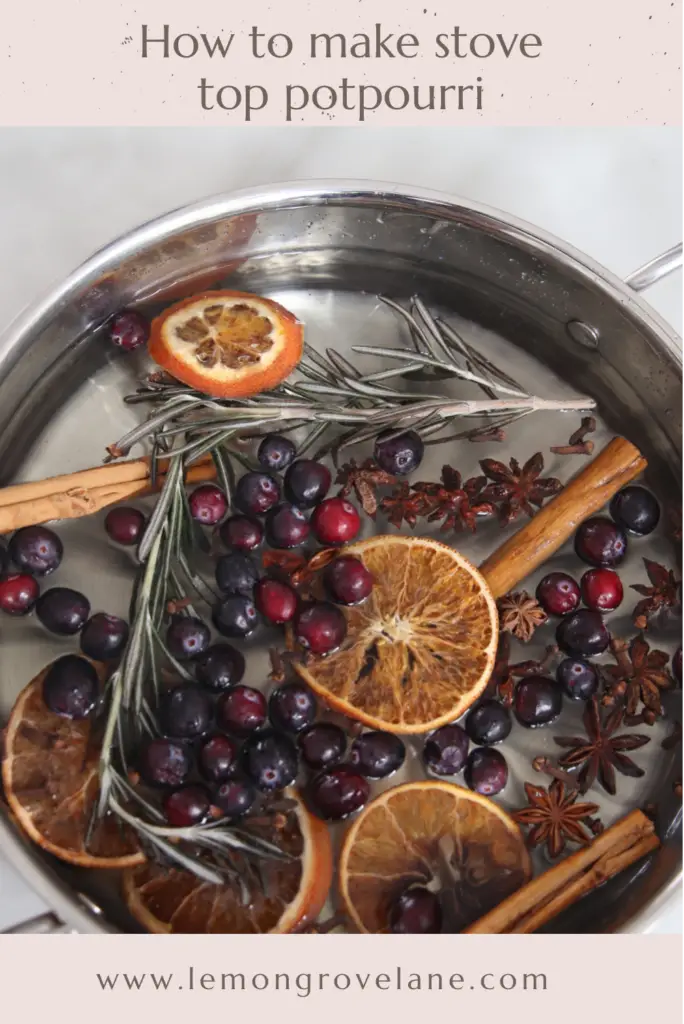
(326, 249)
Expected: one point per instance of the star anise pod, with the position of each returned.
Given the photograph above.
(304, 576)
(454, 502)
(661, 594)
(364, 481)
(601, 753)
(403, 506)
(520, 615)
(555, 817)
(514, 490)
(284, 562)
(638, 677)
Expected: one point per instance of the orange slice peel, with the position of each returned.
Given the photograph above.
(422, 833)
(420, 650)
(167, 900)
(227, 344)
(50, 778)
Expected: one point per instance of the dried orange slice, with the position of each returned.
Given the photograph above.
(421, 648)
(289, 896)
(50, 778)
(227, 344)
(435, 834)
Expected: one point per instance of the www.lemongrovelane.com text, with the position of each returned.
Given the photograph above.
(303, 984)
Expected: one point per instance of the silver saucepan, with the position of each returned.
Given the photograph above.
(549, 314)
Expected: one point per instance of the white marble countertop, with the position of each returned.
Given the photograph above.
(614, 193)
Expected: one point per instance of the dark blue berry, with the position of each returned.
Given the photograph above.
(71, 687)
(276, 453)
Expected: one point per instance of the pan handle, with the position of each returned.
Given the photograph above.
(656, 269)
(45, 924)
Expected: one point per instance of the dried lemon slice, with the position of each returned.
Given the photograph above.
(227, 344)
(421, 648)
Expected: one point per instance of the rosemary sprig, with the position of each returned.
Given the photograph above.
(330, 392)
(132, 695)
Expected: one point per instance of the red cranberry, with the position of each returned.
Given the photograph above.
(336, 521)
(600, 542)
(256, 493)
(348, 580)
(307, 482)
(236, 616)
(236, 573)
(377, 754)
(558, 593)
(270, 760)
(320, 628)
(486, 771)
(36, 550)
(165, 762)
(71, 687)
(217, 758)
(208, 504)
(276, 453)
(235, 798)
(186, 807)
(636, 509)
(417, 911)
(399, 455)
(185, 712)
(241, 710)
(578, 678)
(287, 527)
(129, 330)
(241, 533)
(582, 633)
(489, 722)
(445, 750)
(338, 792)
(63, 611)
(275, 600)
(187, 637)
(18, 593)
(104, 637)
(538, 701)
(292, 707)
(125, 525)
(322, 745)
(219, 667)
(601, 589)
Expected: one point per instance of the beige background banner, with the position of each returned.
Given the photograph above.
(405, 63)
(562, 978)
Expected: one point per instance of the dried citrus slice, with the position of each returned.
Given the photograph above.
(227, 344)
(50, 778)
(435, 834)
(289, 895)
(421, 648)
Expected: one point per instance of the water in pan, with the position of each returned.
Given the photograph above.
(94, 415)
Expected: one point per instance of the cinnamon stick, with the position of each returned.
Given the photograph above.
(542, 899)
(73, 495)
(587, 493)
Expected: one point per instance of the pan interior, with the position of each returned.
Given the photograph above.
(62, 402)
